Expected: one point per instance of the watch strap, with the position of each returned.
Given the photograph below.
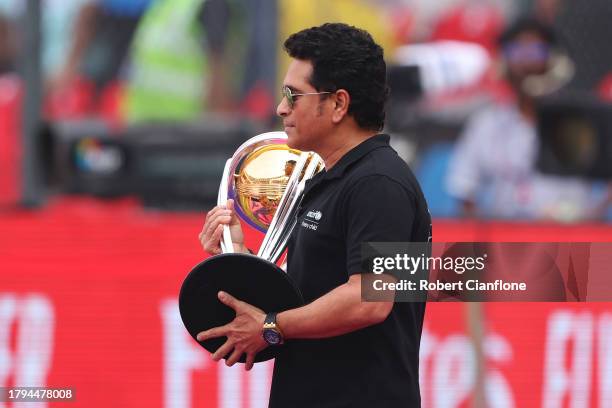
(271, 319)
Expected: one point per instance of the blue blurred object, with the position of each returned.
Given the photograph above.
(431, 173)
(129, 8)
(600, 189)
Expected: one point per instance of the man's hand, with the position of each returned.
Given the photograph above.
(244, 333)
(211, 234)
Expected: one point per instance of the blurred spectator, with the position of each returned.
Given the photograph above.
(67, 32)
(259, 90)
(87, 81)
(7, 49)
(493, 169)
(177, 69)
(56, 18)
(101, 36)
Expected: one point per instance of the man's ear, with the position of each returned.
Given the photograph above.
(342, 100)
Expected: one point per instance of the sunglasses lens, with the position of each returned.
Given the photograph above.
(287, 94)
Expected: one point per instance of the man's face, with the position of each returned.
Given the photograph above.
(527, 55)
(308, 121)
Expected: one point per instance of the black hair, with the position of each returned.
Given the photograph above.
(529, 24)
(346, 57)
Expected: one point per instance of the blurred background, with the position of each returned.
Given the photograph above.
(117, 116)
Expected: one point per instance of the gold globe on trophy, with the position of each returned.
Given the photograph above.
(266, 179)
(260, 182)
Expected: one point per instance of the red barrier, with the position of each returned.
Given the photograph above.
(88, 300)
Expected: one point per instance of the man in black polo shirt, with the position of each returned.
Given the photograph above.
(337, 351)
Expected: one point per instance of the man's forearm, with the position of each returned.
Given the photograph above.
(338, 312)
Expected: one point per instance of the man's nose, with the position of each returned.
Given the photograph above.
(283, 109)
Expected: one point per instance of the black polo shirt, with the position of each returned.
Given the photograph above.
(370, 195)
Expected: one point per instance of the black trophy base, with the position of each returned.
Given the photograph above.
(246, 277)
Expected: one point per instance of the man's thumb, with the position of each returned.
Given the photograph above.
(227, 299)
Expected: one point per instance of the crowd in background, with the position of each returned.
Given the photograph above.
(134, 61)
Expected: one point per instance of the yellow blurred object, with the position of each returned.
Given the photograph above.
(296, 15)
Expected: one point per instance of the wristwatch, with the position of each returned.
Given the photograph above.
(271, 332)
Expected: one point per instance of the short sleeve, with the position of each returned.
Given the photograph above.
(377, 209)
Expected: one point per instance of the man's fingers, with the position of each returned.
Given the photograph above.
(212, 333)
(233, 359)
(222, 351)
(213, 244)
(213, 250)
(214, 213)
(210, 222)
(228, 300)
(210, 216)
(250, 361)
(212, 231)
(219, 218)
(216, 235)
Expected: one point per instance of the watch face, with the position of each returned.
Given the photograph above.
(271, 337)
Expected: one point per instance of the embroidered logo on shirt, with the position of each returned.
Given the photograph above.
(316, 215)
(311, 221)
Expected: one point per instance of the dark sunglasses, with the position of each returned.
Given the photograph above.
(291, 96)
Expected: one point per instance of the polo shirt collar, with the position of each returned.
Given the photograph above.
(365, 147)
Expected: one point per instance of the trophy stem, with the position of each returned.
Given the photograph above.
(227, 246)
